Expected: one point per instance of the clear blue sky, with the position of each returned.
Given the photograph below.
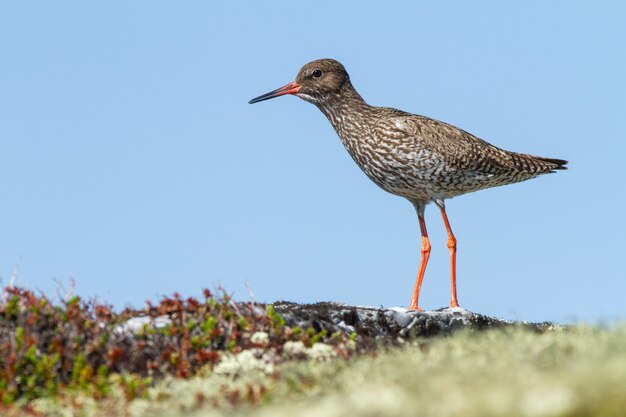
(131, 161)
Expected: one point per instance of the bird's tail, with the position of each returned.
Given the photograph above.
(537, 164)
(552, 163)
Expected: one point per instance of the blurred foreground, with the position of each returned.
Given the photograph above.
(214, 357)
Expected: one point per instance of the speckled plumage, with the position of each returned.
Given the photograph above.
(413, 156)
(421, 159)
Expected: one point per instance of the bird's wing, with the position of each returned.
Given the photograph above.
(458, 148)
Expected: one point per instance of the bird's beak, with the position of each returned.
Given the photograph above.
(291, 88)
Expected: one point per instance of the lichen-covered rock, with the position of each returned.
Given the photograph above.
(387, 323)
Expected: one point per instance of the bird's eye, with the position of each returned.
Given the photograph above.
(317, 73)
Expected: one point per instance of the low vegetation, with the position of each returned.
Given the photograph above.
(214, 357)
(82, 347)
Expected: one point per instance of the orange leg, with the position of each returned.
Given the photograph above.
(425, 254)
(454, 302)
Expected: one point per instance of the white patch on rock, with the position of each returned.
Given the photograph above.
(137, 324)
(401, 315)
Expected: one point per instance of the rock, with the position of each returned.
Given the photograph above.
(388, 323)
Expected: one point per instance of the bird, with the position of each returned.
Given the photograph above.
(412, 156)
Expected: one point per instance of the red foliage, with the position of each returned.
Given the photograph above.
(206, 355)
(76, 342)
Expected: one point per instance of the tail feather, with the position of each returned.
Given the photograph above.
(553, 163)
(537, 164)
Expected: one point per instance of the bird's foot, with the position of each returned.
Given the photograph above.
(415, 308)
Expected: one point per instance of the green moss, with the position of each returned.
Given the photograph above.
(278, 322)
(318, 336)
(209, 324)
(13, 306)
(243, 323)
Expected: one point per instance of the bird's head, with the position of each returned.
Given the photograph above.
(315, 82)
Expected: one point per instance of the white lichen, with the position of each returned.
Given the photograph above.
(246, 361)
(260, 338)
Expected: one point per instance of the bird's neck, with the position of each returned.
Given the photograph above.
(345, 110)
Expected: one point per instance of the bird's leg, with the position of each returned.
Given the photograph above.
(454, 302)
(425, 254)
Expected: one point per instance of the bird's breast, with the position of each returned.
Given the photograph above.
(399, 168)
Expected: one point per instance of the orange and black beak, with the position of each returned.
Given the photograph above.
(291, 88)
